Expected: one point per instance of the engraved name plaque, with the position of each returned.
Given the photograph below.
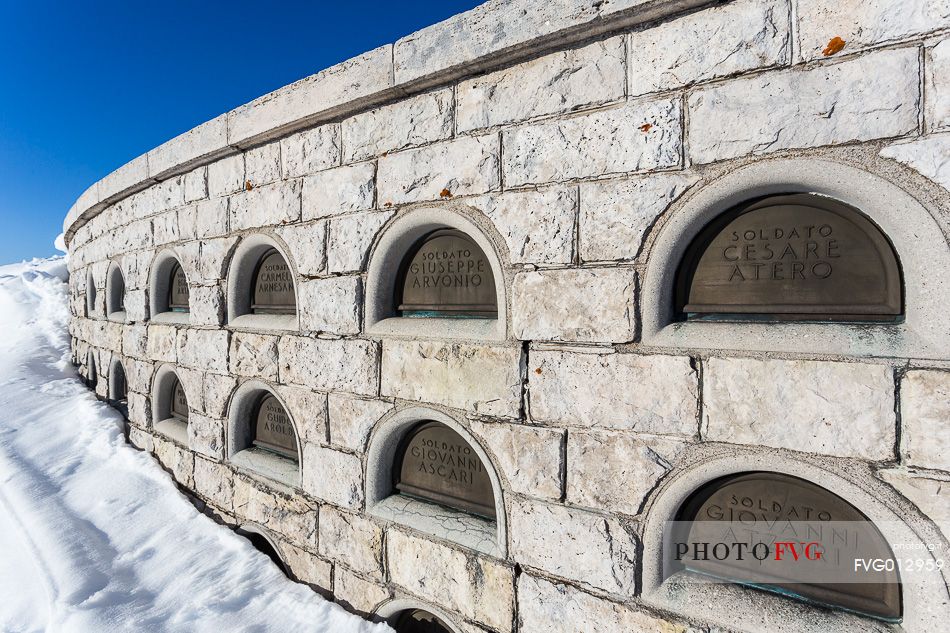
(779, 512)
(273, 286)
(178, 290)
(448, 275)
(435, 463)
(419, 621)
(790, 257)
(273, 429)
(179, 408)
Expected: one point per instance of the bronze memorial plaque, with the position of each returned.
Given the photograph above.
(178, 290)
(419, 621)
(273, 429)
(179, 408)
(273, 286)
(791, 257)
(803, 541)
(436, 464)
(447, 275)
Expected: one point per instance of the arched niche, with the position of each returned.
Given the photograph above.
(412, 616)
(430, 505)
(262, 285)
(909, 227)
(798, 257)
(115, 293)
(170, 408)
(264, 542)
(169, 293)
(706, 469)
(91, 377)
(118, 388)
(262, 436)
(90, 293)
(390, 267)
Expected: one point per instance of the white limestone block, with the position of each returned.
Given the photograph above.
(162, 343)
(831, 408)
(333, 476)
(464, 166)
(351, 238)
(311, 150)
(339, 190)
(308, 410)
(306, 567)
(217, 391)
(196, 184)
(333, 365)
(563, 81)
(643, 135)
(358, 594)
(205, 350)
(937, 88)
(213, 482)
(615, 215)
(529, 457)
(873, 96)
(307, 244)
(925, 419)
(262, 164)
(352, 419)
(277, 203)
(538, 226)
(212, 217)
(206, 304)
(591, 549)
(331, 304)
(645, 393)
(590, 305)
(226, 176)
(352, 540)
(929, 155)
(478, 588)
(206, 435)
(414, 121)
(480, 378)
(253, 355)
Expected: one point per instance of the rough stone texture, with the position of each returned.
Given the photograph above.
(929, 155)
(213, 482)
(306, 567)
(331, 305)
(925, 419)
(434, 571)
(141, 440)
(262, 164)
(265, 206)
(340, 190)
(350, 239)
(861, 23)
(616, 215)
(253, 355)
(162, 343)
(290, 516)
(212, 218)
(560, 82)
(307, 243)
(650, 394)
(641, 136)
(538, 226)
(196, 184)
(717, 42)
(842, 409)
(349, 366)
(936, 91)
(140, 410)
(226, 176)
(207, 305)
(333, 476)
(589, 548)
(930, 492)
(217, 392)
(558, 608)
(362, 596)
(415, 121)
(873, 96)
(467, 165)
(351, 540)
(309, 412)
(574, 305)
(352, 419)
(309, 151)
(613, 471)
(206, 350)
(479, 378)
(181, 463)
(206, 435)
(530, 458)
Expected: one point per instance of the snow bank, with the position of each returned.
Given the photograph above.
(95, 537)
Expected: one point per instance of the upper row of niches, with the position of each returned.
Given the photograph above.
(796, 257)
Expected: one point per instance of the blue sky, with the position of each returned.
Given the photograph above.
(87, 86)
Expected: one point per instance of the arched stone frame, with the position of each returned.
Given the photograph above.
(395, 242)
(266, 535)
(727, 604)
(90, 293)
(383, 502)
(115, 293)
(159, 283)
(92, 373)
(391, 608)
(917, 239)
(117, 372)
(163, 422)
(241, 268)
(238, 436)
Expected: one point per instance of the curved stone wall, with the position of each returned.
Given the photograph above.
(582, 147)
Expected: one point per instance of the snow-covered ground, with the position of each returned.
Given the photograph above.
(94, 536)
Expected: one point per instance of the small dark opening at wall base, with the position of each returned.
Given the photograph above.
(264, 546)
(418, 621)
